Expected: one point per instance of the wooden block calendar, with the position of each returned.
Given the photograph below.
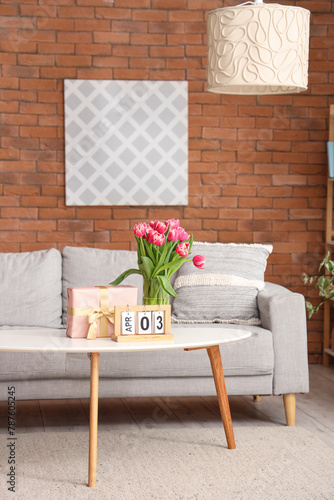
(127, 318)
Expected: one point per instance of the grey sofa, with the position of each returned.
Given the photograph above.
(33, 295)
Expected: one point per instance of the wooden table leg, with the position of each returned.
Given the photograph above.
(290, 408)
(93, 417)
(218, 375)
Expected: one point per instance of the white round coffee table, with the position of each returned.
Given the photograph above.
(52, 340)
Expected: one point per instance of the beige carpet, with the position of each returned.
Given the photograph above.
(269, 463)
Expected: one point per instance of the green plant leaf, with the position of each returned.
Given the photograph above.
(324, 284)
(164, 282)
(172, 246)
(143, 271)
(169, 265)
(309, 308)
(167, 233)
(162, 256)
(175, 267)
(140, 249)
(160, 266)
(325, 261)
(148, 265)
(124, 275)
(149, 251)
(191, 242)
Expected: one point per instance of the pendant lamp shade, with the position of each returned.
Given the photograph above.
(258, 48)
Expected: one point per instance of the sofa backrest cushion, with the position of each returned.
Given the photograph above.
(30, 289)
(226, 290)
(84, 266)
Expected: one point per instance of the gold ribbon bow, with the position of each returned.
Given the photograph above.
(94, 317)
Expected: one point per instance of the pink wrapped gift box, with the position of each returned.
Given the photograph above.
(90, 309)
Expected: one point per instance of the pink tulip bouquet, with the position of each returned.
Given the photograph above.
(162, 248)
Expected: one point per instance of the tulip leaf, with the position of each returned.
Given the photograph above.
(171, 249)
(167, 233)
(191, 242)
(148, 248)
(148, 266)
(161, 266)
(162, 257)
(175, 267)
(140, 249)
(124, 275)
(169, 265)
(164, 282)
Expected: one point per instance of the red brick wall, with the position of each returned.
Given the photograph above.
(257, 165)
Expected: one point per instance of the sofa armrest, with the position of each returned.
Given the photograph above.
(283, 313)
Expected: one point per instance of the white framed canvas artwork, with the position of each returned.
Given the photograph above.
(126, 142)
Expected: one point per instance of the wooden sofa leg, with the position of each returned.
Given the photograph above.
(290, 408)
(256, 399)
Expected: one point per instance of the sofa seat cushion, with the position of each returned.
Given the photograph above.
(252, 356)
(97, 267)
(30, 292)
(26, 366)
(32, 366)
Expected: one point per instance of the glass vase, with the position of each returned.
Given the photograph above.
(154, 294)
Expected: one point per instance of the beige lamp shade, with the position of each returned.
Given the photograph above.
(258, 48)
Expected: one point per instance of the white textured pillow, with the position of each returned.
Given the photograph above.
(30, 289)
(226, 290)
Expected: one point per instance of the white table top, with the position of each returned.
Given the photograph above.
(55, 340)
